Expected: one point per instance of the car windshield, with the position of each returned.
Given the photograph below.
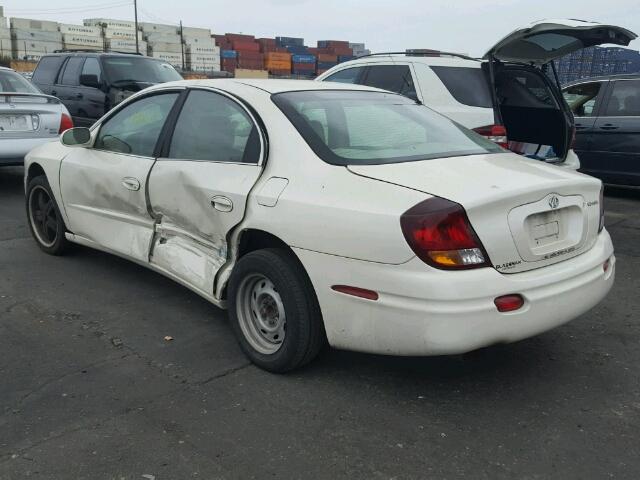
(367, 128)
(12, 82)
(139, 69)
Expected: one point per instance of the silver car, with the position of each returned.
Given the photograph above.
(28, 117)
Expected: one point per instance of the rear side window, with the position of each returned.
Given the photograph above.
(345, 127)
(71, 73)
(467, 85)
(92, 67)
(523, 88)
(348, 75)
(625, 99)
(47, 70)
(582, 98)
(395, 78)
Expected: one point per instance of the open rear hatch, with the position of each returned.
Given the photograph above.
(525, 88)
(526, 215)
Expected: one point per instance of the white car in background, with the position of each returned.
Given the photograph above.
(324, 212)
(28, 117)
(510, 96)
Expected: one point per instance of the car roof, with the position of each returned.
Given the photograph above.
(600, 78)
(445, 61)
(268, 86)
(89, 53)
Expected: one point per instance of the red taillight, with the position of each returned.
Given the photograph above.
(440, 234)
(65, 123)
(356, 292)
(509, 303)
(495, 133)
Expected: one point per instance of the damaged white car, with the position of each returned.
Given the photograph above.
(319, 212)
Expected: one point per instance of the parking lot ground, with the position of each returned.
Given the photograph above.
(90, 389)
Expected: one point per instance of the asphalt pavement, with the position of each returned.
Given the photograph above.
(90, 388)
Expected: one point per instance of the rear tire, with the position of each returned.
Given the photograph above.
(45, 221)
(274, 311)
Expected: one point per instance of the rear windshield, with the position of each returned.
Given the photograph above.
(467, 85)
(139, 69)
(368, 128)
(12, 82)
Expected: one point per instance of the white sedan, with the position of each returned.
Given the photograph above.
(319, 212)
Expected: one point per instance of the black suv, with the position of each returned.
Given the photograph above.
(90, 84)
(607, 113)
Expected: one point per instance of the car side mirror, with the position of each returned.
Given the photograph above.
(90, 81)
(76, 137)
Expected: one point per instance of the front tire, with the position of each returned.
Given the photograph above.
(274, 311)
(45, 221)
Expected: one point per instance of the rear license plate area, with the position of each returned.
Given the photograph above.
(15, 123)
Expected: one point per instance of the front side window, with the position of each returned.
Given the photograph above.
(135, 129)
(395, 78)
(91, 67)
(368, 128)
(215, 128)
(624, 100)
(582, 98)
(348, 75)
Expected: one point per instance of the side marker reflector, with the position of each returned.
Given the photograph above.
(356, 292)
(509, 303)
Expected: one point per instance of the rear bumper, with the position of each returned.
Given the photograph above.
(423, 311)
(13, 150)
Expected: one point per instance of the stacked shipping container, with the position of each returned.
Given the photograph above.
(595, 61)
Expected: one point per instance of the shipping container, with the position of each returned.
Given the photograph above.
(333, 44)
(345, 58)
(80, 30)
(246, 73)
(289, 41)
(303, 66)
(165, 47)
(162, 37)
(22, 48)
(198, 40)
(36, 35)
(110, 23)
(286, 72)
(125, 46)
(201, 49)
(298, 50)
(238, 37)
(326, 65)
(122, 34)
(74, 42)
(169, 57)
(327, 57)
(147, 27)
(231, 54)
(303, 59)
(246, 46)
(195, 32)
(29, 24)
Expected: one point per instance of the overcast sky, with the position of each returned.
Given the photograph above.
(466, 26)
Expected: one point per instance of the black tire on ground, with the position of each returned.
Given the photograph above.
(57, 243)
(305, 335)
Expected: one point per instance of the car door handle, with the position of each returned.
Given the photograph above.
(131, 183)
(54, 92)
(608, 126)
(222, 204)
(579, 126)
(79, 96)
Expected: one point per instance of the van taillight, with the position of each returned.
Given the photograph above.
(495, 133)
(440, 234)
(65, 123)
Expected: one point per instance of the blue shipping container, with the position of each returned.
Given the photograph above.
(228, 54)
(345, 58)
(326, 65)
(303, 58)
(297, 50)
(305, 73)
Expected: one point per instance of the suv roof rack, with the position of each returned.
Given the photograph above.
(80, 50)
(422, 53)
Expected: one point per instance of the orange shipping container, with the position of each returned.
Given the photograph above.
(277, 56)
(327, 57)
(277, 65)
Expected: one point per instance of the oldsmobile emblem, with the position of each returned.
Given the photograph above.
(554, 202)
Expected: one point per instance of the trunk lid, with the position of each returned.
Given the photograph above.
(26, 115)
(546, 40)
(528, 215)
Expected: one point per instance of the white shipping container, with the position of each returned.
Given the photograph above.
(199, 49)
(122, 34)
(198, 59)
(169, 57)
(162, 38)
(80, 30)
(110, 23)
(165, 47)
(29, 24)
(205, 68)
(196, 32)
(84, 40)
(23, 48)
(158, 28)
(198, 40)
(5, 33)
(36, 35)
(126, 46)
(6, 48)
